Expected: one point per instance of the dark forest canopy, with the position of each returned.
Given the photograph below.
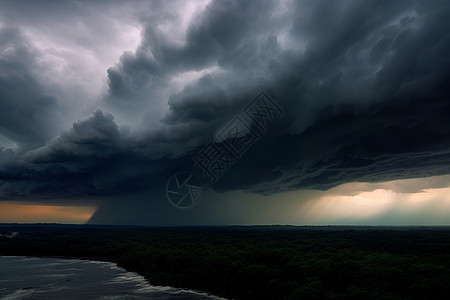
(266, 262)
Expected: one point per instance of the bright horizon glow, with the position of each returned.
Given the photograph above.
(419, 201)
(11, 212)
(373, 204)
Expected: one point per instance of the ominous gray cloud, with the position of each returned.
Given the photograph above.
(26, 111)
(364, 87)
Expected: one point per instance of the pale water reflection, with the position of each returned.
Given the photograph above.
(56, 278)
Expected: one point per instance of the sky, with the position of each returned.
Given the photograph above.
(306, 112)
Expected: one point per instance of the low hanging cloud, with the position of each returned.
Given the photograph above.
(363, 87)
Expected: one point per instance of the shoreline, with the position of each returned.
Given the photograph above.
(205, 293)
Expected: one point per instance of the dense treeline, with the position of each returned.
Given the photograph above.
(260, 263)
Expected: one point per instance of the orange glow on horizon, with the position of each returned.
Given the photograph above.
(11, 212)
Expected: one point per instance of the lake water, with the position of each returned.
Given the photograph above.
(56, 278)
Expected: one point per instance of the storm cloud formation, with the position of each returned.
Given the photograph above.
(364, 87)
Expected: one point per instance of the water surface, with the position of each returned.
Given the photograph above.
(57, 278)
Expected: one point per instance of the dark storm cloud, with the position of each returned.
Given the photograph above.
(211, 35)
(67, 165)
(373, 103)
(95, 157)
(202, 101)
(366, 99)
(363, 85)
(26, 112)
(222, 35)
(387, 141)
